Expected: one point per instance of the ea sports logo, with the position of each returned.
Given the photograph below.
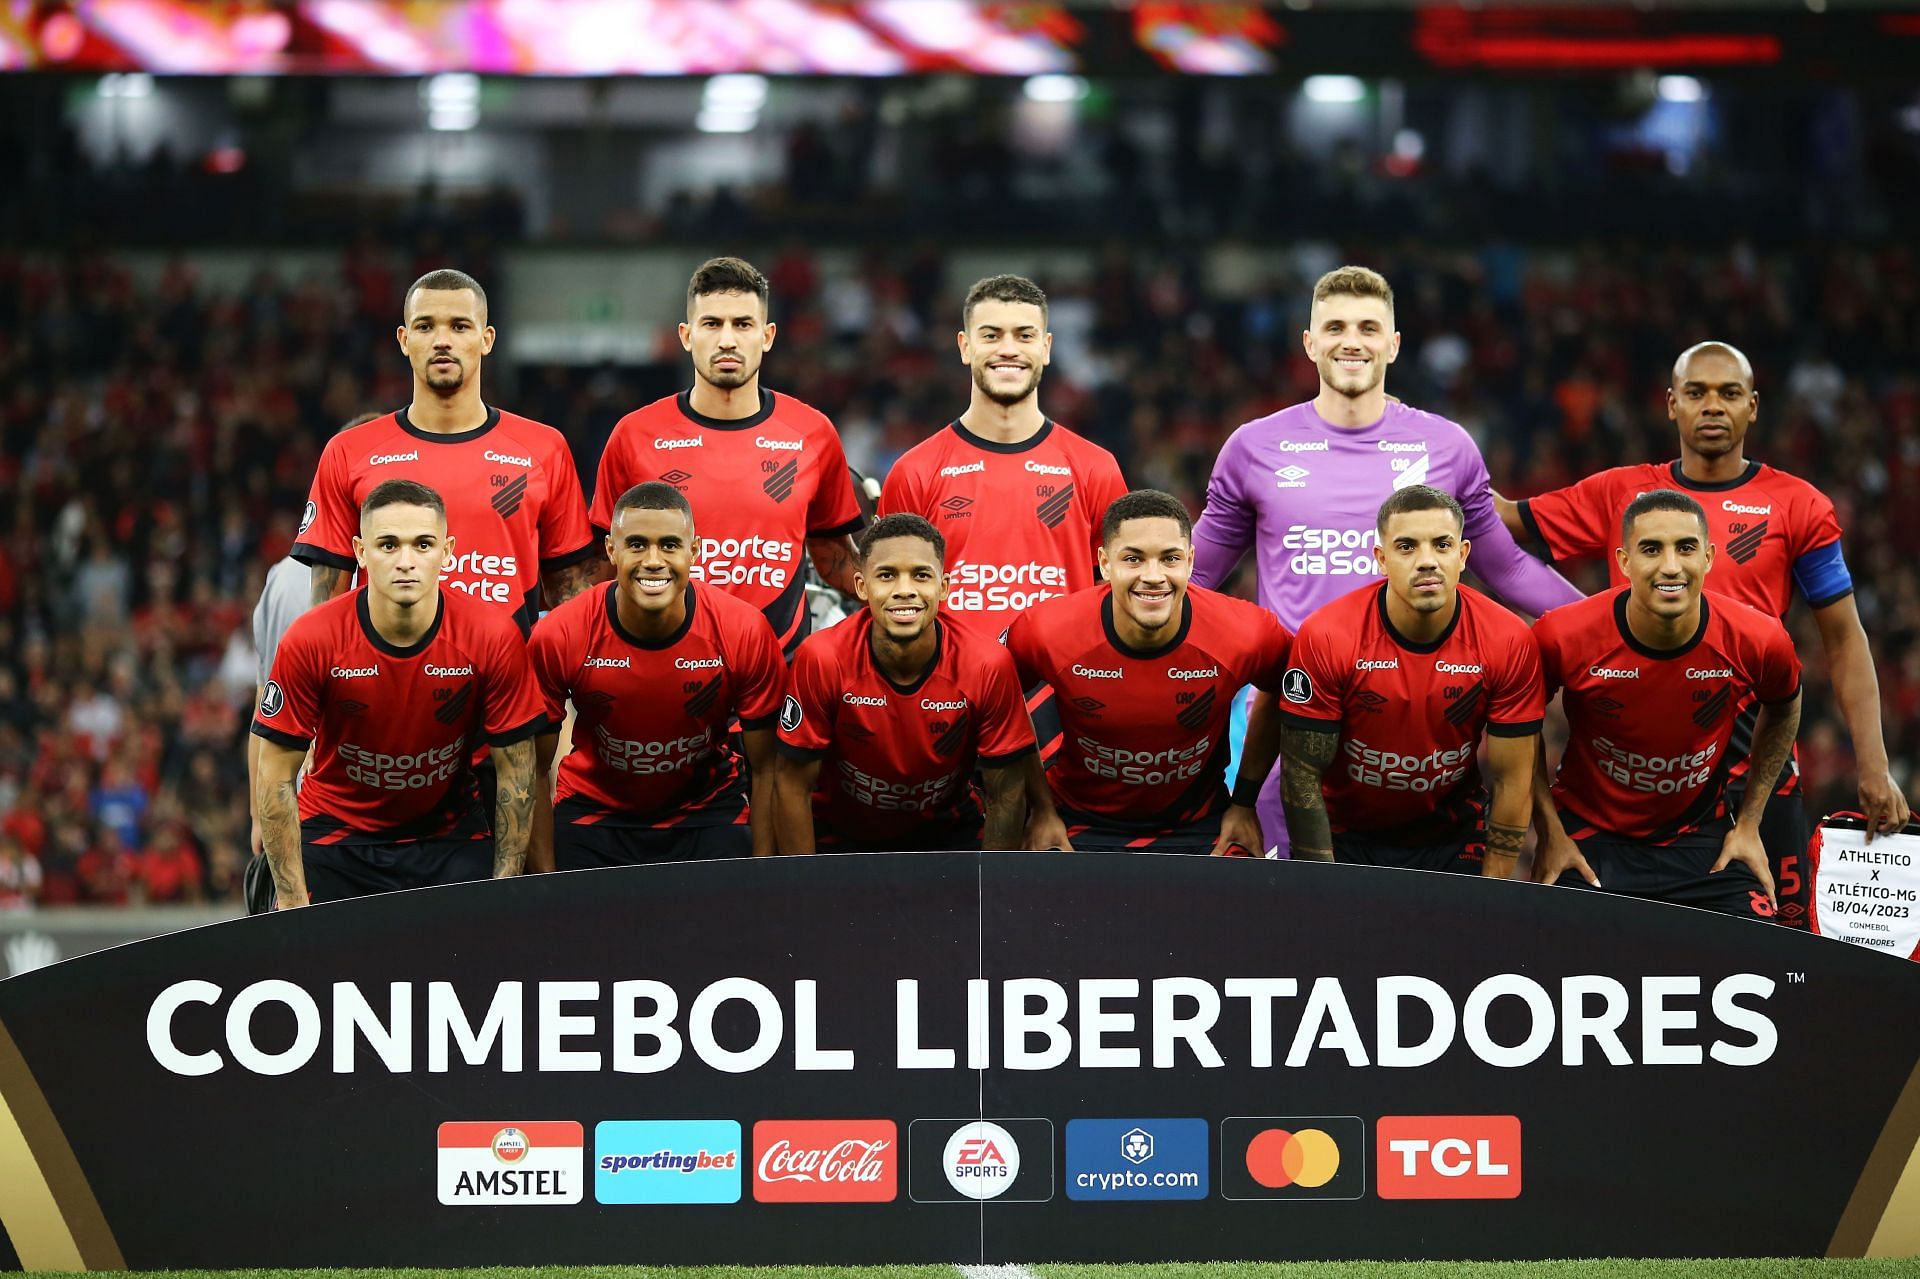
(510, 1145)
(981, 1160)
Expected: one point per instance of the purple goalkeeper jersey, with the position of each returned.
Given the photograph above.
(1304, 495)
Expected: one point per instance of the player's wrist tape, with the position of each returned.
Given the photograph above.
(1246, 791)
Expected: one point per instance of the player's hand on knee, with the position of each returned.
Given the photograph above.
(1743, 845)
(1048, 834)
(1239, 833)
(1556, 857)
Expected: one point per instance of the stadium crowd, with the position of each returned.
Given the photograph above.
(156, 445)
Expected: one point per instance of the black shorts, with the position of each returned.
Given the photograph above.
(1462, 855)
(586, 847)
(336, 872)
(1193, 838)
(1679, 872)
(1786, 831)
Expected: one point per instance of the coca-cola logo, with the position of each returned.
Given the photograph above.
(825, 1161)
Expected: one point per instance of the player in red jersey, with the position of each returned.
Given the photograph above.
(392, 686)
(977, 478)
(1390, 690)
(512, 494)
(899, 708)
(1774, 532)
(1651, 678)
(656, 668)
(1145, 669)
(766, 471)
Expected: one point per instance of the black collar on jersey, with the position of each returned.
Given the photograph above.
(438, 437)
(907, 690)
(995, 446)
(1120, 646)
(685, 401)
(379, 641)
(1413, 646)
(1657, 654)
(613, 620)
(1717, 486)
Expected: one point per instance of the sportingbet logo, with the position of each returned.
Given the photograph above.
(492, 578)
(682, 1161)
(1448, 1156)
(501, 1165)
(1002, 588)
(744, 561)
(1331, 552)
(825, 1161)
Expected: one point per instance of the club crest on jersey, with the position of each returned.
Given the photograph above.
(272, 700)
(1297, 686)
(790, 716)
(306, 518)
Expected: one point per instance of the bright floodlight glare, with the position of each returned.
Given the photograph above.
(726, 120)
(1054, 88)
(453, 88)
(1409, 145)
(734, 93)
(1334, 88)
(455, 117)
(1681, 88)
(126, 84)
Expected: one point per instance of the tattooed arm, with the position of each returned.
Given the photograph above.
(513, 808)
(835, 559)
(1510, 761)
(327, 582)
(1006, 804)
(1305, 754)
(558, 585)
(540, 840)
(279, 810)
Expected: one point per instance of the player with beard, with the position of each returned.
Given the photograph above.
(1390, 691)
(766, 471)
(1774, 532)
(1652, 678)
(897, 708)
(1302, 487)
(512, 494)
(656, 667)
(1145, 669)
(392, 686)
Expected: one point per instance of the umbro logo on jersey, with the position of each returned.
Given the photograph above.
(1714, 707)
(1747, 545)
(676, 477)
(954, 505)
(1293, 477)
(1054, 509)
(1087, 704)
(1369, 701)
(779, 485)
(507, 499)
(455, 708)
(1194, 714)
(1467, 705)
(351, 707)
(1608, 707)
(703, 701)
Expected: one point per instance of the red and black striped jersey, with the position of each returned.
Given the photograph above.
(1411, 715)
(650, 743)
(1649, 729)
(896, 758)
(1021, 521)
(760, 486)
(1145, 733)
(393, 730)
(514, 508)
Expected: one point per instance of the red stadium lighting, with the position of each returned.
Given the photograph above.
(61, 36)
(1533, 41)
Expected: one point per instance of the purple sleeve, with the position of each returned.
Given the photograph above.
(1225, 530)
(1509, 572)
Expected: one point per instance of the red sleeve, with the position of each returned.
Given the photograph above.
(1516, 701)
(615, 475)
(514, 708)
(1576, 522)
(289, 711)
(1105, 486)
(761, 683)
(1779, 679)
(1005, 728)
(1818, 524)
(1271, 646)
(1025, 646)
(1316, 683)
(834, 512)
(565, 537)
(807, 715)
(1552, 673)
(331, 517)
(898, 494)
(550, 657)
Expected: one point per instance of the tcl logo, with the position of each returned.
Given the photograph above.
(825, 1161)
(1448, 1156)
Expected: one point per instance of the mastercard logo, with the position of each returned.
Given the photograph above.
(1277, 1158)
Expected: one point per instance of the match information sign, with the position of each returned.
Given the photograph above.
(1867, 894)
